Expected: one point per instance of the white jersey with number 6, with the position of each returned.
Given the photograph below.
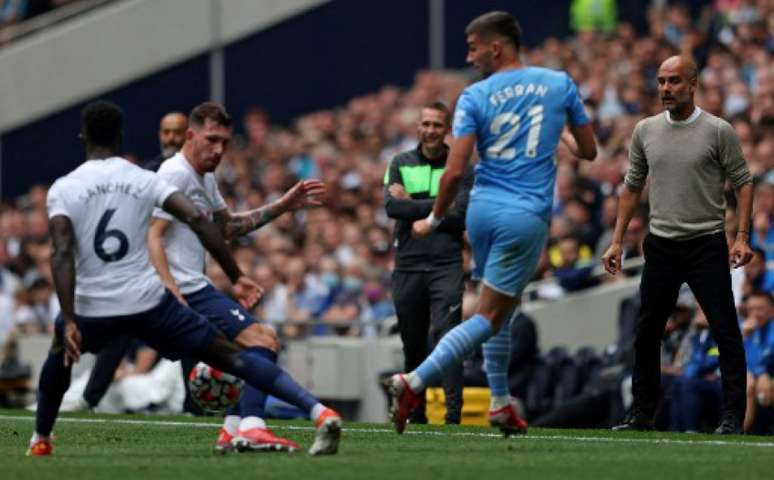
(109, 203)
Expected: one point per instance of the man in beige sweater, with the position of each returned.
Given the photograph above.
(689, 155)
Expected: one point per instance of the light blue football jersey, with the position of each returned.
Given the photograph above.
(517, 117)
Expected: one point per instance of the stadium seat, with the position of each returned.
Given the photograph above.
(475, 406)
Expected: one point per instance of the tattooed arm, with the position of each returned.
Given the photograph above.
(302, 194)
(233, 225)
(245, 289)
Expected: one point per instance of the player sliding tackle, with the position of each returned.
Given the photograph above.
(515, 119)
(179, 259)
(99, 216)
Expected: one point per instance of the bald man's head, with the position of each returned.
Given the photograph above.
(686, 65)
(172, 133)
(677, 79)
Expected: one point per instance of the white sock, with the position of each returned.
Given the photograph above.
(231, 424)
(248, 423)
(317, 410)
(36, 437)
(415, 383)
(499, 401)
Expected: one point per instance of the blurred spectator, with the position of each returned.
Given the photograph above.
(143, 383)
(754, 271)
(609, 212)
(171, 138)
(347, 303)
(379, 307)
(15, 11)
(759, 347)
(273, 307)
(306, 299)
(594, 15)
(36, 308)
(696, 392)
(675, 350)
(573, 274)
(635, 235)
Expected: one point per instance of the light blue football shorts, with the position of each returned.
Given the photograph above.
(506, 243)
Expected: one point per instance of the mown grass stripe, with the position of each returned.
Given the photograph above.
(361, 430)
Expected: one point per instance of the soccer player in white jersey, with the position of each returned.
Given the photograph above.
(98, 220)
(515, 118)
(179, 258)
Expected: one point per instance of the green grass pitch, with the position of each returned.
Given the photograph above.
(179, 448)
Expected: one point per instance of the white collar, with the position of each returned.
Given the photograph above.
(696, 112)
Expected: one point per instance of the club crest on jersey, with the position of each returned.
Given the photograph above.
(235, 312)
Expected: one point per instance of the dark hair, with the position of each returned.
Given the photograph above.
(441, 107)
(102, 123)
(573, 237)
(760, 293)
(496, 23)
(209, 111)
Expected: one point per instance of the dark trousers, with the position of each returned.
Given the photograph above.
(702, 263)
(428, 305)
(104, 370)
(107, 361)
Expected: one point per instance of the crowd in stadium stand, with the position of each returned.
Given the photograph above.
(327, 270)
(13, 12)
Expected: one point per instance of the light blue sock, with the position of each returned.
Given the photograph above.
(458, 343)
(497, 355)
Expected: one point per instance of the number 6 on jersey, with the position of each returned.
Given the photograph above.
(102, 235)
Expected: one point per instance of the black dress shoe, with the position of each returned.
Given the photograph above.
(635, 422)
(729, 425)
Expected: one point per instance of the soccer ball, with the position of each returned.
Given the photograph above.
(212, 389)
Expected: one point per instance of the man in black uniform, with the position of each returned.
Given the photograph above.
(428, 278)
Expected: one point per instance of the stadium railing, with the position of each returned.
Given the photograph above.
(16, 31)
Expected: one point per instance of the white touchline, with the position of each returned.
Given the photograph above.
(667, 441)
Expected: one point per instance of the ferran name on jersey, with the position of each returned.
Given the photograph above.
(112, 187)
(518, 90)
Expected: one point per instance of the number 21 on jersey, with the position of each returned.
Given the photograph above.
(506, 126)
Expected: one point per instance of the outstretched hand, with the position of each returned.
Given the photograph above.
(305, 193)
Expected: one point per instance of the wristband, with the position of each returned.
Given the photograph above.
(434, 222)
